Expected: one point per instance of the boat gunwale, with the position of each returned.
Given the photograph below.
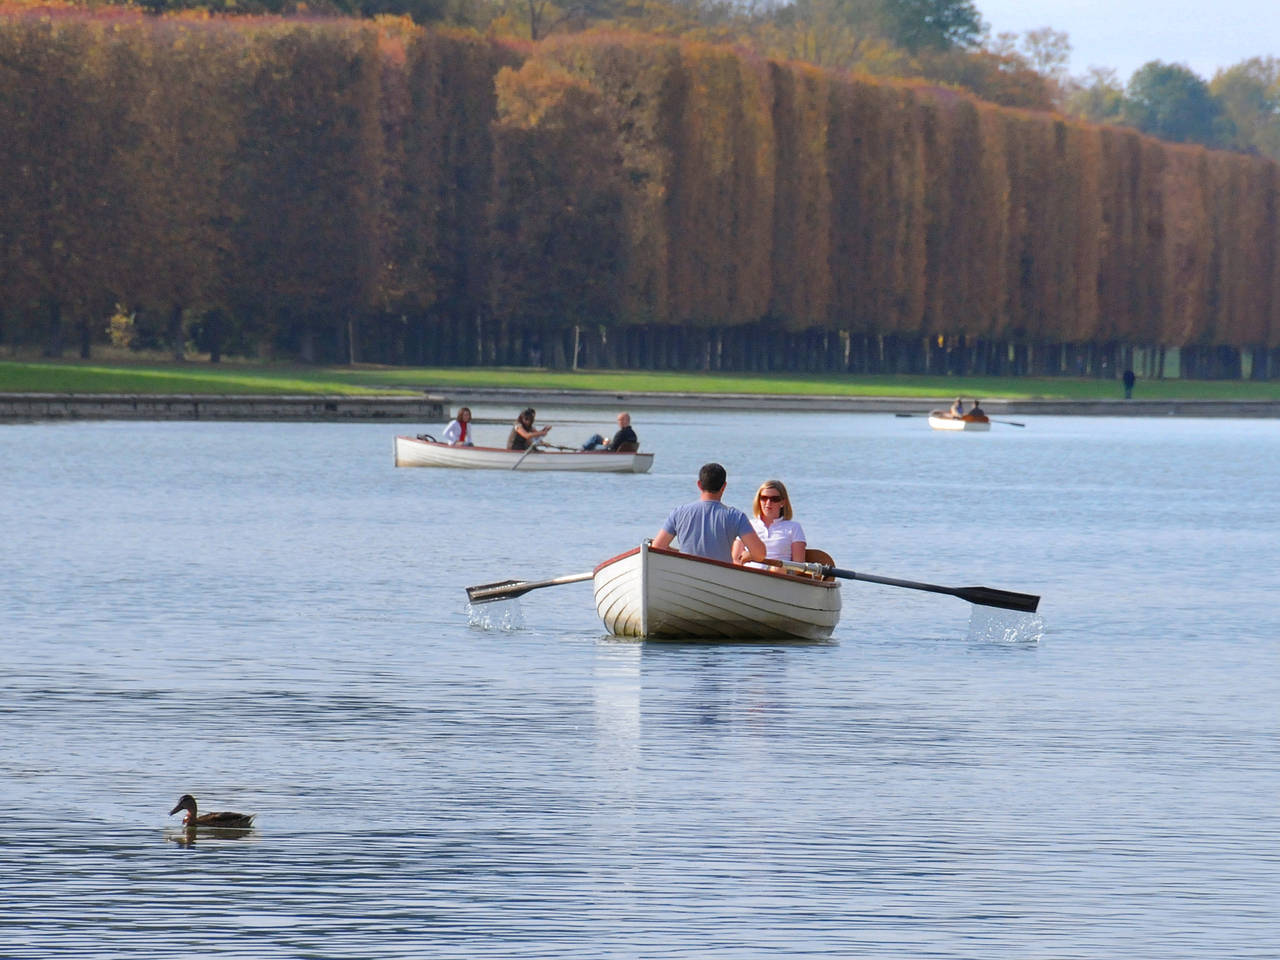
(542, 450)
(769, 572)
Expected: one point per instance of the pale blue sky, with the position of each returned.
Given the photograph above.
(1124, 34)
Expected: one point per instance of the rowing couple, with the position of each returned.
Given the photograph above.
(958, 412)
(710, 529)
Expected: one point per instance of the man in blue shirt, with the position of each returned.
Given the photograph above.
(706, 527)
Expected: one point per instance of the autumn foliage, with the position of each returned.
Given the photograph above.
(340, 189)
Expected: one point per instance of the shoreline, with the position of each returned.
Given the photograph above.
(435, 406)
(809, 403)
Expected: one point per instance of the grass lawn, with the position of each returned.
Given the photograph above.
(258, 378)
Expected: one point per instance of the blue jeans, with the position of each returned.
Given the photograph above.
(594, 442)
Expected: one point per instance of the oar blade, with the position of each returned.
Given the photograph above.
(507, 589)
(1005, 599)
(501, 590)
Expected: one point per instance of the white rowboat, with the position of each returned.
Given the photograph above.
(945, 421)
(663, 594)
(414, 452)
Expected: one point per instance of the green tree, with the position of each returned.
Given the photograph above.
(1250, 96)
(917, 25)
(1167, 100)
(1098, 98)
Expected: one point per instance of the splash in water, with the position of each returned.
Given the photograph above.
(992, 625)
(502, 615)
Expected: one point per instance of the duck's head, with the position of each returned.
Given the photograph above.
(185, 802)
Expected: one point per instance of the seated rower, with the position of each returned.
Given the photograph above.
(957, 408)
(523, 434)
(624, 441)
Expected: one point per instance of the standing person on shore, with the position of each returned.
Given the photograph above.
(1128, 384)
(706, 527)
(523, 434)
(625, 440)
(458, 432)
(783, 537)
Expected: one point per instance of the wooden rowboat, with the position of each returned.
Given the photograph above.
(663, 594)
(418, 452)
(941, 420)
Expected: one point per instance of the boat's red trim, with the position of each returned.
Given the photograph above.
(621, 556)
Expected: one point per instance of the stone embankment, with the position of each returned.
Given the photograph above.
(436, 408)
(97, 406)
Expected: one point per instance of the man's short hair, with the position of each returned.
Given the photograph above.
(712, 477)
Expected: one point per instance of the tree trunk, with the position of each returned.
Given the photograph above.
(214, 328)
(353, 343)
(53, 342)
(177, 341)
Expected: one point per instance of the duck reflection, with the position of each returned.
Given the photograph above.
(190, 836)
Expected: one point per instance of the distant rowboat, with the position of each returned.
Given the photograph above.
(941, 420)
(419, 452)
(662, 594)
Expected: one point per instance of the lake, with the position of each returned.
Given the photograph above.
(272, 618)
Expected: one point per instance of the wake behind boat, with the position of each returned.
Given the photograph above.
(663, 594)
(427, 452)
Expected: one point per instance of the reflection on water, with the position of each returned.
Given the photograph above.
(273, 616)
(190, 836)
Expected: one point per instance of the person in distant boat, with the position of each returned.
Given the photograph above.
(523, 433)
(976, 410)
(706, 527)
(624, 441)
(957, 408)
(783, 538)
(458, 432)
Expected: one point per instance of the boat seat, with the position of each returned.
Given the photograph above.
(627, 446)
(819, 556)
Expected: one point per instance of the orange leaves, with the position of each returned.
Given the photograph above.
(538, 90)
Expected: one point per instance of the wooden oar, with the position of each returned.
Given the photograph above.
(986, 596)
(508, 589)
(532, 447)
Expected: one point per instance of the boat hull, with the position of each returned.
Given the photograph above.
(947, 422)
(412, 452)
(649, 593)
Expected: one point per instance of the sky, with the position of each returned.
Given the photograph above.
(1204, 35)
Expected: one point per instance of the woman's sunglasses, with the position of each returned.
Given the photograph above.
(764, 499)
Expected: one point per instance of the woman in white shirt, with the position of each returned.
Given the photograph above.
(771, 518)
(458, 432)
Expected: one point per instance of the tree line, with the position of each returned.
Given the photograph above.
(345, 190)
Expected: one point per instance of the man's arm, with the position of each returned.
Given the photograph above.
(663, 540)
(754, 545)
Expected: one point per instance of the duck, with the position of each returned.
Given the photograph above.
(223, 819)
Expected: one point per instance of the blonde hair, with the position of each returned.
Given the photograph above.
(782, 489)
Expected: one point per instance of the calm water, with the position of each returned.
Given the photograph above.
(272, 618)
